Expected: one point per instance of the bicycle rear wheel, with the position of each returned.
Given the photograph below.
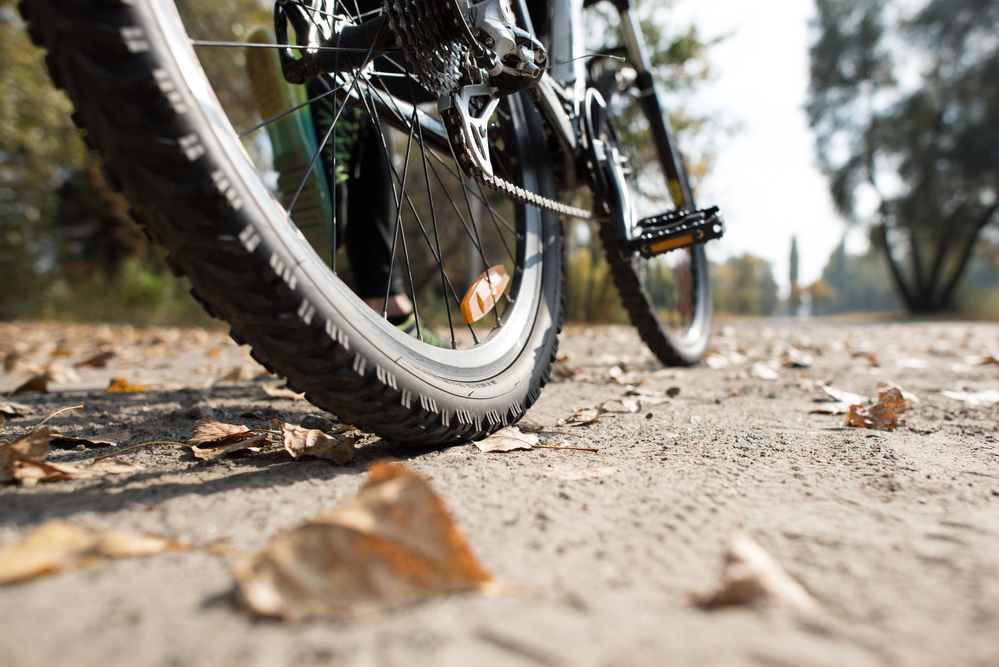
(160, 88)
(668, 297)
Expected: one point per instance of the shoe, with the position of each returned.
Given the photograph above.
(293, 142)
(429, 337)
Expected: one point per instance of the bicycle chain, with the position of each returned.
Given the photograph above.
(422, 46)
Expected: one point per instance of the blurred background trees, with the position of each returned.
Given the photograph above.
(904, 101)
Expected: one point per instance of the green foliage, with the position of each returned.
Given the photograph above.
(591, 294)
(978, 294)
(39, 147)
(744, 285)
(854, 283)
(136, 293)
(906, 113)
(67, 246)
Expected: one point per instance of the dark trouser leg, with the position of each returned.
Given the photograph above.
(371, 219)
(364, 212)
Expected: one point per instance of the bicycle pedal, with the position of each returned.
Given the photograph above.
(677, 229)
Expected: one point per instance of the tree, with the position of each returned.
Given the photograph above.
(744, 285)
(794, 299)
(911, 150)
(853, 283)
(39, 148)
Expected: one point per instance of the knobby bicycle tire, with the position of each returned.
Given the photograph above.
(667, 297)
(145, 105)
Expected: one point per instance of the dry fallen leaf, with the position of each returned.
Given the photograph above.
(507, 440)
(795, 358)
(38, 383)
(582, 417)
(11, 409)
(21, 460)
(907, 395)
(217, 452)
(572, 474)
(716, 361)
(981, 359)
(884, 415)
(299, 442)
(841, 405)
(122, 386)
(394, 544)
(624, 405)
(763, 372)
(281, 391)
(831, 408)
(843, 396)
(218, 434)
(648, 397)
(58, 441)
(561, 369)
(213, 440)
(57, 546)
(751, 575)
(99, 360)
(976, 398)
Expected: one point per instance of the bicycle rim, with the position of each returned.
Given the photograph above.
(216, 200)
(667, 296)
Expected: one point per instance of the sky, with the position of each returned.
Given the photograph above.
(764, 176)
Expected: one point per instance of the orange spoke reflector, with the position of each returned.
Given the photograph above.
(482, 296)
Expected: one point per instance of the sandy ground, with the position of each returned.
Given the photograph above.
(896, 534)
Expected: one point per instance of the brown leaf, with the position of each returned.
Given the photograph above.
(301, 442)
(884, 415)
(751, 575)
(394, 544)
(507, 440)
(584, 416)
(281, 391)
(57, 546)
(37, 383)
(30, 472)
(30, 447)
(573, 474)
(99, 360)
(34, 445)
(12, 409)
(122, 386)
(59, 441)
(55, 372)
(217, 451)
(218, 434)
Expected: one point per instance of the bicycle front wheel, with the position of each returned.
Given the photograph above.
(668, 297)
(200, 135)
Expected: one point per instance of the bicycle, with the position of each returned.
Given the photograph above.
(517, 125)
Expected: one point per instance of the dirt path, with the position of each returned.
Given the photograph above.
(896, 534)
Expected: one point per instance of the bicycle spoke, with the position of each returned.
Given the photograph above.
(285, 113)
(433, 218)
(257, 45)
(315, 157)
